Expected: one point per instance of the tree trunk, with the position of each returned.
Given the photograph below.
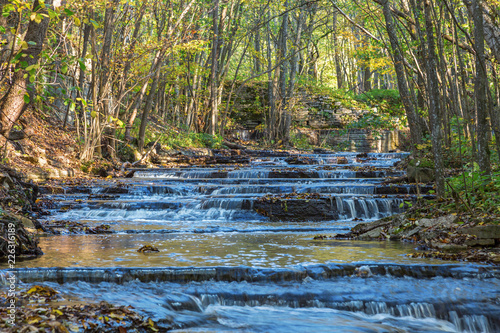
(213, 70)
(281, 55)
(147, 109)
(21, 92)
(338, 71)
(271, 121)
(491, 30)
(483, 152)
(257, 63)
(404, 91)
(434, 107)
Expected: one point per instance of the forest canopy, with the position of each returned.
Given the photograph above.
(106, 67)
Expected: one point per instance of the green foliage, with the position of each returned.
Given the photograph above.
(423, 162)
(387, 100)
(85, 166)
(176, 138)
(96, 168)
(299, 140)
(209, 141)
(125, 151)
(476, 191)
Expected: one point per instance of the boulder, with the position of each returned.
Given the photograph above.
(299, 160)
(372, 234)
(448, 247)
(442, 222)
(322, 209)
(483, 231)
(480, 242)
(420, 175)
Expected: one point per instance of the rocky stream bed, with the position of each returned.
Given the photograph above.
(252, 242)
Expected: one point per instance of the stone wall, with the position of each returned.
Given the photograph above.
(362, 140)
(357, 140)
(320, 119)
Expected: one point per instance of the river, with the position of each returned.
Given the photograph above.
(224, 267)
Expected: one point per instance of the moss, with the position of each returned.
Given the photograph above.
(422, 163)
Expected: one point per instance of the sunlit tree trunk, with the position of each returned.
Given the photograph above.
(21, 92)
(213, 70)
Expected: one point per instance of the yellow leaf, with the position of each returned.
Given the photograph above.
(34, 320)
(152, 325)
(77, 22)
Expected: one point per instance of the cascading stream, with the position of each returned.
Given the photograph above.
(229, 261)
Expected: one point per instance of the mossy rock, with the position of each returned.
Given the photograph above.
(421, 175)
(422, 163)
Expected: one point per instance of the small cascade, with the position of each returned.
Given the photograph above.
(303, 274)
(368, 208)
(234, 256)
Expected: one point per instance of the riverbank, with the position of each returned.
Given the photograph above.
(442, 235)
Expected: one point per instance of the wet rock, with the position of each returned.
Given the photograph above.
(267, 153)
(342, 160)
(363, 271)
(368, 174)
(299, 160)
(115, 190)
(199, 160)
(293, 174)
(52, 190)
(297, 209)
(220, 174)
(322, 151)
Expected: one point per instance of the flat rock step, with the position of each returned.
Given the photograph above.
(114, 192)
